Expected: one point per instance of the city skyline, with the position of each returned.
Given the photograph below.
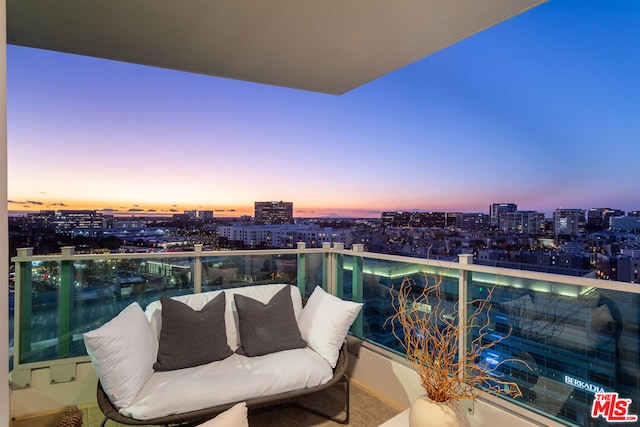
(538, 111)
(297, 213)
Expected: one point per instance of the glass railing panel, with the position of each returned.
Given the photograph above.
(221, 272)
(67, 298)
(566, 343)
(314, 274)
(379, 280)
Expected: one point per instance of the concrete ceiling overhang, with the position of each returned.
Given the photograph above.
(329, 46)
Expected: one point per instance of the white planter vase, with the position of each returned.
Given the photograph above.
(425, 412)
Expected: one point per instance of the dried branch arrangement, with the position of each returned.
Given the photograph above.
(431, 336)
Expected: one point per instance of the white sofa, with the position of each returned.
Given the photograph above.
(150, 373)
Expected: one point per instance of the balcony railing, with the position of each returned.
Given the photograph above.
(577, 336)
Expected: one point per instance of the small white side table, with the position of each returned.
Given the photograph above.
(400, 420)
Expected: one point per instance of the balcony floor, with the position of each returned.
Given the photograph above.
(367, 410)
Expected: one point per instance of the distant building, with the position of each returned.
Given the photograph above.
(568, 222)
(473, 221)
(625, 223)
(283, 235)
(127, 223)
(73, 222)
(498, 209)
(624, 267)
(523, 222)
(541, 261)
(204, 214)
(268, 213)
(598, 218)
(43, 219)
(415, 219)
(451, 218)
(396, 219)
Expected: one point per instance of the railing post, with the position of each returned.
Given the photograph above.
(338, 269)
(326, 267)
(464, 280)
(197, 269)
(302, 268)
(358, 287)
(22, 304)
(65, 302)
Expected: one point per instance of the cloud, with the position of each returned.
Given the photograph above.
(151, 210)
(58, 204)
(33, 202)
(173, 210)
(135, 210)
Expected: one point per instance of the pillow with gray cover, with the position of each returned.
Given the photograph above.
(267, 328)
(191, 338)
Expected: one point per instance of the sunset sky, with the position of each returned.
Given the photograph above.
(542, 110)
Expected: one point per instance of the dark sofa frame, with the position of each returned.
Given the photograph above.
(194, 418)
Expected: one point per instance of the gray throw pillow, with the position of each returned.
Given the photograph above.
(267, 328)
(189, 337)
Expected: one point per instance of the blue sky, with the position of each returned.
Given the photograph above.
(541, 110)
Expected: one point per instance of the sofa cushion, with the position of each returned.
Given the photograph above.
(122, 352)
(234, 379)
(262, 293)
(191, 337)
(325, 322)
(267, 328)
(236, 416)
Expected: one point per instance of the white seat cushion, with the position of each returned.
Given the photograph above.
(236, 378)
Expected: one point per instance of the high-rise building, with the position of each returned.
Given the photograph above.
(568, 221)
(598, 218)
(498, 209)
(525, 222)
(273, 213)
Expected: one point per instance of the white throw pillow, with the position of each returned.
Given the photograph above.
(122, 352)
(325, 321)
(236, 416)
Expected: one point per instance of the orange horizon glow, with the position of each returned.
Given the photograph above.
(226, 210)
